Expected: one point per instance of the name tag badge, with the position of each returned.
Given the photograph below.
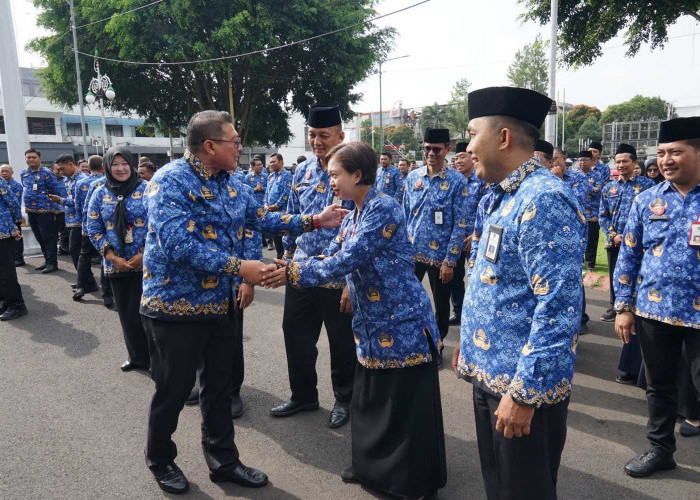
(129, 236)
(439, 217)
(336, 200)
(35, 187)
(493, 243)
(658, 217)
(694, 234)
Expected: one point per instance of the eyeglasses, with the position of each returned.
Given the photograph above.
(434, 149)
(236, 141)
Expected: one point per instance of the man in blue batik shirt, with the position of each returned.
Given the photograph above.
(279, 184)
(72, 175)
(591, 206)
(523, 303)
(656, 279)
(435, 204)
(387, 175)
(15, 187)
(599, 168)
(401, 180)
(11, 301)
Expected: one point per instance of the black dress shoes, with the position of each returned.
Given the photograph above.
(687, 429)
(170, 478)
(291, 407)
(50, 268)
(340, 414)
(74, 286)
(649, 462)
(236, 406)
(245, 476)
(193, 398)
(3, 306)
(128, 366)
(80, 292)
(41, 267)
(13, 313)
(626, 379)
(348, 475)
(109, 303)
(455, 319)
(19, 263)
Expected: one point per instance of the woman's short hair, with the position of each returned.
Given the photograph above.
(354, 156)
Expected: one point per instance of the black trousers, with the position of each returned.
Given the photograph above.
(441, 295)
(279, 246)
(631, 356)
(19, 248)
(179, 350)
(662, 349)
(522, 468)
(85, 276)
(10, 291)
(127, 297)
(592, 243)
(613, 252)
(75, 243)
(44, 229)
(688, 395)
(63, 236)
(305, 311)
(457, 291)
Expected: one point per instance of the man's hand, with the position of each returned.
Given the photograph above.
(54, 197)
(617, 240)
(120, 264)
(468, 244)
(246, 294)
(253, 270)
(455, 359)
(332, 216)
(513, 419)
(276, 277)
(624, 326)
(345, 305)
(446, 273)
(136, 262)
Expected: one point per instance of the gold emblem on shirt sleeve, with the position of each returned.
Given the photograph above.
(385, 340)
(209, 232)
(624, 279)
(388, 231)
(481, 340)
(539, 286)
(630, 240)
(488, 277)
(657, 250)
(529, 213)
(434, 245)
(654, 295)
(373, 295)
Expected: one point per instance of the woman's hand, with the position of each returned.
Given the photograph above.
(246, 294)
(332, 216)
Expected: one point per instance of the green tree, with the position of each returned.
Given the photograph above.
(637, 108)
(399, 135)
(458, 109)
(530, 67)
(590, 129)
(434, 116)
(266, 88)
(579, 114)
(366, 130)
(586, 25)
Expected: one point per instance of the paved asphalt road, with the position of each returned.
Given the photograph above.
(72, 425)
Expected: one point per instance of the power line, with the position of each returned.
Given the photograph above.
(255, 52)
(119, 14)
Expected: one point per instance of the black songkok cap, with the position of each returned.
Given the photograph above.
(523, 104)
(461, 147)
(545, 147)
(679, 129)
(626, 148)
(596, 145)
(324, 116)
(436, 135)
(585, 154)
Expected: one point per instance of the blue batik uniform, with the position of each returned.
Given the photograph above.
(73, 219)
(602, 171)
(279, 185)
(38, 184)
(615, 204)
(16, 188)
(578, 184)
(657, 270)
(594, 189)
(101, 225)
(311, 193)
(436, 244)
(521, 313)
(400, 187)
(476, 188)
(374, 256)
(83, 197)
(194, 244)
(258, 184)
(387, 180)
(10, 212)
(252, 241)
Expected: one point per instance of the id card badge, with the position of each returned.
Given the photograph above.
(694, 234)
(493, 243)
(129, 236)
(336, 200)
(35, 187)
(438, 217)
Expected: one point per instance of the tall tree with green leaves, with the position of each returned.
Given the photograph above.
(586, 25)
(579, 113)
(637, 108)
(529, 70)
(458, 109)
(265, 88)
(590, 129)
(433, 116)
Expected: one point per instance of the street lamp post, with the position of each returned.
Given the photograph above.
(381, 124)
(100, 87)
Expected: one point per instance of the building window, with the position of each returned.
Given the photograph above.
(41, 126)
(2, 124)
(75, 130)
(115, 130)
(144, 131)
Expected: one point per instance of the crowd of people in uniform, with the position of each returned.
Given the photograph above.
(181, 252)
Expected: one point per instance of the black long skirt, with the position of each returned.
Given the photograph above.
(398, 442)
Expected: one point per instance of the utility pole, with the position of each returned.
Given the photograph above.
(550, 124)
(77, 78)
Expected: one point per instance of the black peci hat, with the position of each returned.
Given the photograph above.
(436, 135)
(596, 145)
(545, 147)
(461, 147)
(679, 129)
(523, 104)
(324, 116)
(626, 148)
(585, 154)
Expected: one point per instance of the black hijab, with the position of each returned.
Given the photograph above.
(121, 189)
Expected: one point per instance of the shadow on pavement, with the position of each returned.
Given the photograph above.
(267, 492)
(609, 400)
(579, 485)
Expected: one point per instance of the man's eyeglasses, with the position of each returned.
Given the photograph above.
(236, 141)
(434, 149)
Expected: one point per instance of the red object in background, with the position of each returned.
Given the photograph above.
(614, 173)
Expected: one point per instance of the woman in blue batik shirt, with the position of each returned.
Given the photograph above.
(396, 389)
(117, 226)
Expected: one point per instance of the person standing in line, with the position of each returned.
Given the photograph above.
(387, 175)
(591, 206)
(146, 170)
(656, 280)
(83, 166)
(523, 302)
(599, 168)
(258, 183)
(279, 184)
(401, 180)
(71, 176)
(11, 301)
(117, 226)
(16, 187)
(60, 211)
(653, 172)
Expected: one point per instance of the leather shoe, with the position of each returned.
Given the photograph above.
(74, 286)
(236, 406)
(688, 430)
(608, 316)
(455, 319)
(348, 475)
(245, 476)
(290, 407)
(626, 378)
(41, 267)
(109, 303)
(128, 366)
(13, 313)
(80, 292)
(193, 398)
(50, 268)
(170, 478)
(340, 414)
(19, 263)
(3, 306)
(649, 462)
